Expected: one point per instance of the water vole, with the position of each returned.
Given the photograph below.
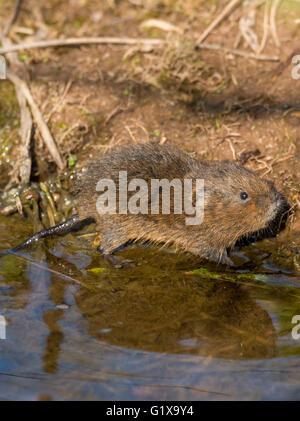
(236, 202)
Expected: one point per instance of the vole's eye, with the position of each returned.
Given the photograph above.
(244, 195)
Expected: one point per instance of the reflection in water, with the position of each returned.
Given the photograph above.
(52, 317)
(210, 318)
(54, 340)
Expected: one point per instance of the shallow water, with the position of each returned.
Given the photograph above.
(167, 329)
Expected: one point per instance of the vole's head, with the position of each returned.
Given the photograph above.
(239, 200)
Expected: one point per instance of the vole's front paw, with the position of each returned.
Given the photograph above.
(122, 264)
(118, 263)
(229, 262)
(225, 260)
(114, 262)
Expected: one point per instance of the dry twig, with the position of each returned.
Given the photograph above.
(125, 41)
(246, 10)
(246, 25)
(282, 66)
(266, 26)
(218, 19)
(161, 24)
(82, 41)
(273, 21)
(26, 131)
(42, 126)
(238, 52)
(13, 18)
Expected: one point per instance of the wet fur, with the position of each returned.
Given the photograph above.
(227, 219)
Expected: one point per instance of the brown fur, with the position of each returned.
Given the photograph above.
(226, 217)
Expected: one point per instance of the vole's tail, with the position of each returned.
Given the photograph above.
(61, 228)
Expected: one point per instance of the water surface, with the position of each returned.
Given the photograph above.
(170, 328)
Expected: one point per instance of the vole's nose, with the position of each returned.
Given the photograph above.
(276, 197)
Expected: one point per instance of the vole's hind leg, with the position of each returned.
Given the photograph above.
(110, 243)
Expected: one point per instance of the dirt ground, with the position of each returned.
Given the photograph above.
(214, 104)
